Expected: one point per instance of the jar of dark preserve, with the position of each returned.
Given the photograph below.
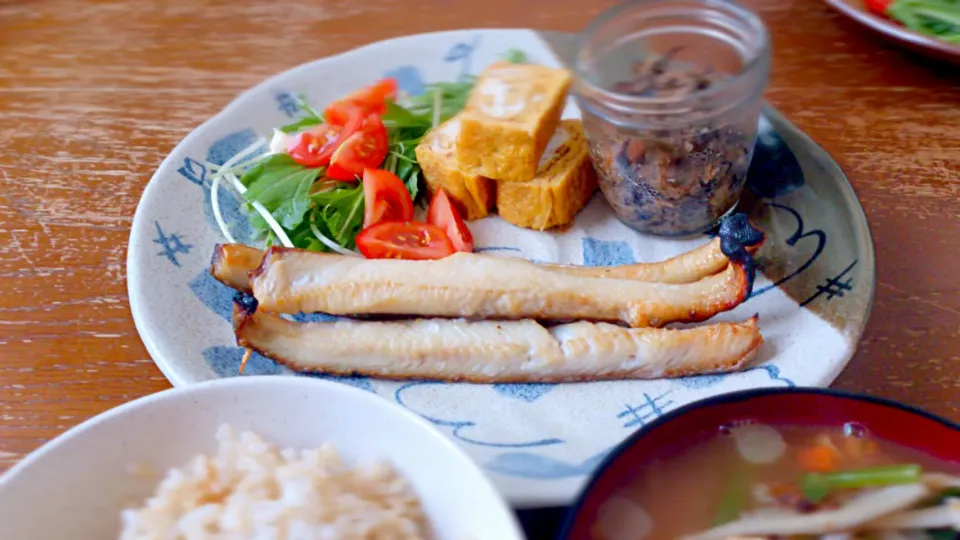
(670, 93)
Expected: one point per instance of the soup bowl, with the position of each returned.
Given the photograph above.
(920, 436)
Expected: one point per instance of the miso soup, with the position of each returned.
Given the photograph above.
(758, 481)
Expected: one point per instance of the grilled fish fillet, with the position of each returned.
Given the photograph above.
(495, 352)
(232, 264)
(481, 287)
(688, 267)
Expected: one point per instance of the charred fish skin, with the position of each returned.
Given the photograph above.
(245, 302)
(740, 257)
(739, 227)
(475, 286)
(495, 351)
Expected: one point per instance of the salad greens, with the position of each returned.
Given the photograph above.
(310, 118)
(938, 18)
(297, 206)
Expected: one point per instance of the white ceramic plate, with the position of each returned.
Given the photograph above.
(537, 441)
(76, 485)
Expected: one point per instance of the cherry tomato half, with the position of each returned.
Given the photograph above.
(313, 148)
(371, 99)
(365, 149)
(879, 7)
(443, 214)
(404, 240)
(385, 198)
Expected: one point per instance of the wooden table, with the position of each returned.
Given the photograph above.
(94, 94)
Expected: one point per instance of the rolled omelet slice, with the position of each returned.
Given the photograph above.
(471, 193)
(508, 119)
(563, 185)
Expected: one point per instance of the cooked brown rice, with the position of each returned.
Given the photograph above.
(250, 489)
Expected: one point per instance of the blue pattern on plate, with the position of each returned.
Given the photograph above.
(461, 426)
(287, 104)
(539, 467)
(497, 248)
(706, 381)
(798, 234)
(230, 145)
(650, 408)
(463, 53)
(835, 286)
(774, 169)
(215, 295)
(699, 381)
(607, 253)
(172, 245)
(362, 383)
(526, 392)
(314, 317)
(193, 171)
(408, 79)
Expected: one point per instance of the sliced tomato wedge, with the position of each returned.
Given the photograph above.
(315, 147)
(371, 99)
(404, 240)
(385, 198)
(443, 214)
(364, 149)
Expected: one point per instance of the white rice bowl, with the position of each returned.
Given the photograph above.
(250, 488)
(303, 458)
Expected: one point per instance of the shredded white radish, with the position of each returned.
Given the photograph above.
(330, 243)
(215, 203)
(278, 143)
(239, 167)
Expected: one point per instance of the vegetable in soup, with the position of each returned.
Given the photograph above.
(754, 481)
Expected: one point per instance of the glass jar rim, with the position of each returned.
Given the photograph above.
(757, 61)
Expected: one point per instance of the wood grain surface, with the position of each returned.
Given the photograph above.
(94, 94)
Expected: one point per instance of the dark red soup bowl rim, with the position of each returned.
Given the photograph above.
(815, 407)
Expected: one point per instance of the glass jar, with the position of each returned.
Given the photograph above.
(670, 95)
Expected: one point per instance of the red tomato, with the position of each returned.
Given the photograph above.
(879, 6)
(314, 148)
(385, 198)
(404, 240)
(365, 149)
(371, 99)
(443, 214)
